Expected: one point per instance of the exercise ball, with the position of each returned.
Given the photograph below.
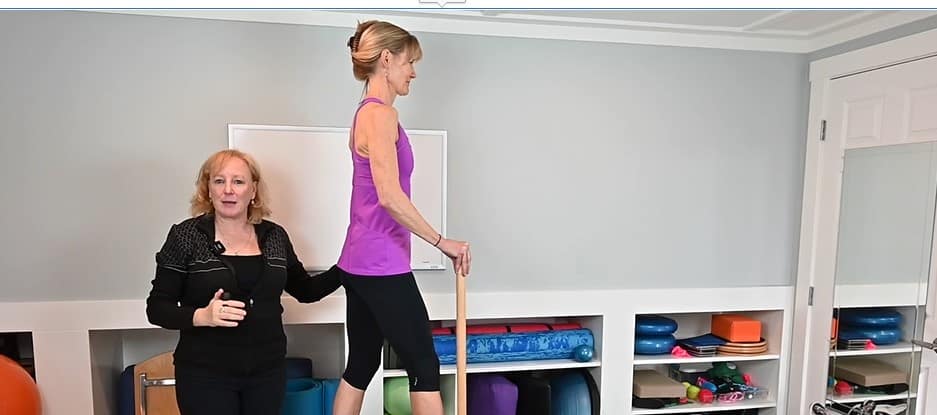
(583, 353)
(397, 396)
(18, 392)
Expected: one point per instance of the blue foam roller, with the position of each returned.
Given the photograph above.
(491, 394)
(298, 367)
(878, 336)
(654, 325)
(871, 318)
(654, 344)
(505, 347)
(125, 394)
(570, 395)
(329, 388)
(303, 397)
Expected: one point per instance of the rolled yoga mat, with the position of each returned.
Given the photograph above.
(125, 396)
(514, 346)
(329, 389)
(303, 397)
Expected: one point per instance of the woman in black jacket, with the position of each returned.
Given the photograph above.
(219, 278)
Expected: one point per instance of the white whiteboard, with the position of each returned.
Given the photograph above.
(308, 172)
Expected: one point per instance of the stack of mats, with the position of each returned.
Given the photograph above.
(705, 345)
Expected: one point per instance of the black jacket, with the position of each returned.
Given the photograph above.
(189, 272)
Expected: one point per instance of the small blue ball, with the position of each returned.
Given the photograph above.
(583, 353)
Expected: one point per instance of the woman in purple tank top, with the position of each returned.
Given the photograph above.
(383, 300)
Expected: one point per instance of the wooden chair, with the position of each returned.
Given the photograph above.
(154, 390)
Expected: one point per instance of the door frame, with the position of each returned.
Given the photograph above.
(820, 214)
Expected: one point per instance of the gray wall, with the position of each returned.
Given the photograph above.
(572, 164)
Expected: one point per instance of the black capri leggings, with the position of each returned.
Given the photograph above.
(388, 307)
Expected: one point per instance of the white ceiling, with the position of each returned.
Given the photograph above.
(797, 31)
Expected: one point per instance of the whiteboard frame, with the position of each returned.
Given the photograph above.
(442, 265)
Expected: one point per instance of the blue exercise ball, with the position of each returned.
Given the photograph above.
(583, 353)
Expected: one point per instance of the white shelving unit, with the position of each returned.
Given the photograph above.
(592, 322)
(92, 341)
(766, 369)
(901, 355)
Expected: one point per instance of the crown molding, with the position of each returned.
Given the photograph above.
(508, 24)
(834, 37)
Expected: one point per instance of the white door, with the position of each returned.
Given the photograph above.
(892, 105)
(877, 196)
(927, 382)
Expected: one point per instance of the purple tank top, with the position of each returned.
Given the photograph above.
(375, 244)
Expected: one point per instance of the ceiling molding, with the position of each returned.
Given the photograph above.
(578, 28)
(866, 28)
(764, 21)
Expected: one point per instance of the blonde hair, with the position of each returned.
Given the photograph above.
(371, 38)
(201, 201)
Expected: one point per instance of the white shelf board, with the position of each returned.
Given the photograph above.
(644, 360)
(707, 407)
(897, 348)
(505, 367)
(862, 397)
